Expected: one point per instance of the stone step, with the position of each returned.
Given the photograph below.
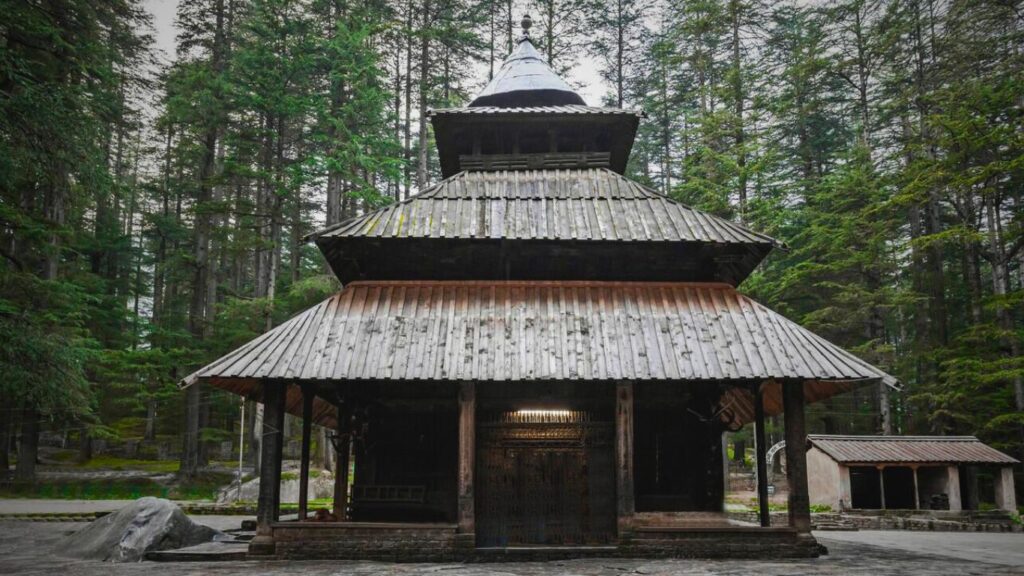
(207, 552)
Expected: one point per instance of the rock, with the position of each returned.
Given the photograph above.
(320, 486)
(145, 525)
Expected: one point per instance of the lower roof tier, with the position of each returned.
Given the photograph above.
(543, 331)
(591, 224)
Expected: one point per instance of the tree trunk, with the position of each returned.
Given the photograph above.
(150, 434)
(28, 450)
(738, 103)
(421, 171)
(84, 444)
(198, 318)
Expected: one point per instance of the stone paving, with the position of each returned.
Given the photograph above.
(32, 548)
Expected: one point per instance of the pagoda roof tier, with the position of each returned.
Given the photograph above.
(679, 333)
(474, 132)
(542, 225)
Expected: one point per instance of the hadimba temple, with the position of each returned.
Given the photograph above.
(536, 357)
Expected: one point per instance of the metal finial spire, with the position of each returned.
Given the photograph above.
(526, 23)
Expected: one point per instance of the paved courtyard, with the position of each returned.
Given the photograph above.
(32, 548)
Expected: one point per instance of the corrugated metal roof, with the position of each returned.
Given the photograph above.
(908, 449)
(566, 109)
(589, 204)
(529, 331)
(524, 77)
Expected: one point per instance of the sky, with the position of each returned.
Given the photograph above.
(585, 76)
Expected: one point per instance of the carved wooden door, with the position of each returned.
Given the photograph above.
(533, 484)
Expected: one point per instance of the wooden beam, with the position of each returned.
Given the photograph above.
(307, 431)
(624, 407)
(796, 456)
(761, 450)
(467, 457)
(341, 462)
(268, 502)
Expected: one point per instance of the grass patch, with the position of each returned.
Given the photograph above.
(203, 487)
(87, 490)
(105, 462)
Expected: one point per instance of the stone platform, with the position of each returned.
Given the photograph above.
(408, 542)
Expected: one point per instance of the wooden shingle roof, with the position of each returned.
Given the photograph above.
(531, 331)
(908, 449)
(581, 205)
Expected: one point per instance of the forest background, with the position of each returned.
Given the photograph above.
(152, 206)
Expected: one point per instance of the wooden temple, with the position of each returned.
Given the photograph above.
(535, 357)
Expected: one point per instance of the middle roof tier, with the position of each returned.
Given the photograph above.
(589, 224)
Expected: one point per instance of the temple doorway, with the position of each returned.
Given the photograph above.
(545, 476)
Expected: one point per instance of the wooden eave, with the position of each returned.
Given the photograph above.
(676, 333)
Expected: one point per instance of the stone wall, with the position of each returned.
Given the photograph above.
(442, 543)
(918, 520)
(720, 543)
(365, 541)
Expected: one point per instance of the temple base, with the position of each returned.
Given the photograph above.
(401, 542)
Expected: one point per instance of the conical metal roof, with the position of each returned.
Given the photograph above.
(525, 79)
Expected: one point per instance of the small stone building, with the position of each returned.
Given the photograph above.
(907, 473)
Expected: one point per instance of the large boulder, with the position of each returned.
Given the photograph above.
(144, 525)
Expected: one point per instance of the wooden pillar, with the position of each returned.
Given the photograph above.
(307, 432)
(467, 457)
(341, 461)
(881, 484)
(760, 449)
(796, 456)
(917, 492)
(624, 408)
(272, 441)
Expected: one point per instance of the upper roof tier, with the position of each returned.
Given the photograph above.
(525, 79)
(563, 224)
(528, 117)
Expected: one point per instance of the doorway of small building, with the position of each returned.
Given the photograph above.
(891, 488)
(677, 447)
(978, 487)
(899, 487)
(545, 465)
(865, 488)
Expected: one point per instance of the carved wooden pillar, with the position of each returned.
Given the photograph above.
(341, 461)
(307, 431)
(762, 457)
(268, 503)
(796, 456)
(624, 408)
(467, 457)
